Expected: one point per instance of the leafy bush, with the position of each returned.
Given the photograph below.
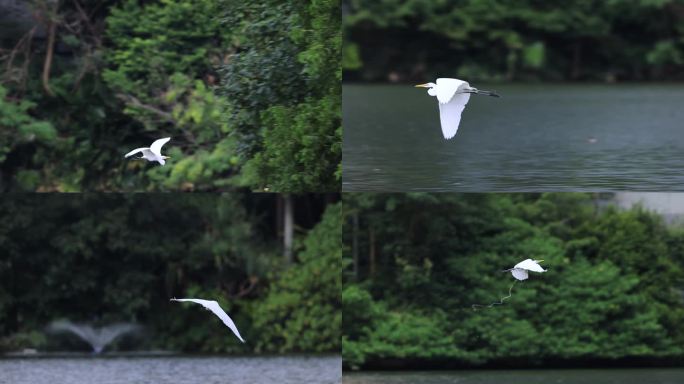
(302, 311)
(612, 290)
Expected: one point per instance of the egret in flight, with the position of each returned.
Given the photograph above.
(153, 153)
(520, 270)
(218, 311)
(452, 95)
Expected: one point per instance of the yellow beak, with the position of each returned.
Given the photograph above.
(422, 86)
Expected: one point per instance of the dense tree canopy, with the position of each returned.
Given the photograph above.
(416, 264)
(514, 40)
(119, 258)
(285, 86)
(249, 93)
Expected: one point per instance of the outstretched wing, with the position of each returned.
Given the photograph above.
(157, 145)
(218, 311)
(450, 114)
(446, 88)
(530, 265)
(133, 152)
(519, 274)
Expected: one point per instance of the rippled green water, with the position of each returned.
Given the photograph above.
(533, 138)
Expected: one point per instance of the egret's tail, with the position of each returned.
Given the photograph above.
(500, 302)
(486, 93)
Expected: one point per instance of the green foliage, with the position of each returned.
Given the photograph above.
(351, 59)
(284, 86)
(612, 290)
(112, 258)
(666, 55)
(302, 310)
(136, 71)
(23, 340)
(301, 148)
(534, 55)
(17, 126)
(152, 42)
(517, 40)
(359, 312)
(162, 54)
(615, 320)
(414, 335)
(371, 330)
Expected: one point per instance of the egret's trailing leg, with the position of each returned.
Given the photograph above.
(510, 293)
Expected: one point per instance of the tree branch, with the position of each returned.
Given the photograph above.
(245, 288)
(134, 102)
(48, 55)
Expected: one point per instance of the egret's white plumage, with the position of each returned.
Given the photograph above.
(153, 153)
(445, 89)
(520, 270)
(218, 311)
(452, 95)
(519, 274)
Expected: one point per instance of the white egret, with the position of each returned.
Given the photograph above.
(519, 271)
(452, 95)
(218, 311)
(153, 153)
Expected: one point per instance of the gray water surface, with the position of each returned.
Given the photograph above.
(576, 376)
(533, 138)
(187, 370)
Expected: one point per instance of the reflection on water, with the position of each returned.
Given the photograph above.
(205, 370)
(577, 376)
(533, 138)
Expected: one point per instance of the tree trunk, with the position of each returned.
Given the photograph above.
(52, 31)
(279, 216)
(288, 227)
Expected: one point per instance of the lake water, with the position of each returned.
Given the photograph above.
(186, 370)
(577, 376)
(533, 138)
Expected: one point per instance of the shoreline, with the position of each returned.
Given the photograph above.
(636, 362)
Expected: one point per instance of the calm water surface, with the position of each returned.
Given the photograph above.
(577, 376)
(533, 138)
(187, 370)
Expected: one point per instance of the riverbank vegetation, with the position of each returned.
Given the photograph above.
(525, 40)
(103, 259)
(248, 92)
(416, 263)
